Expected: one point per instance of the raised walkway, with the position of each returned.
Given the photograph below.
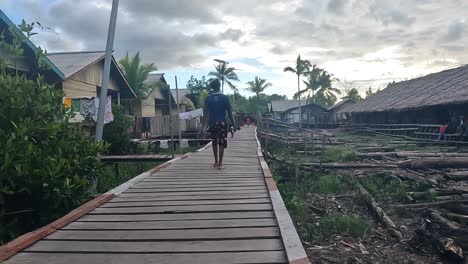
(184, 211)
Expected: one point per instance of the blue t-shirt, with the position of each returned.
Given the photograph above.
(216, 106)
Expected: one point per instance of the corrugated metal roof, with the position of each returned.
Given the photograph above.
(281, 106)
(72, 62)
(182, 94)
(340, 104)
(9, 24)
(442, 88)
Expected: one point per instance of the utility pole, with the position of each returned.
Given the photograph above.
(105, 74)
(178, 114)
(170, 120)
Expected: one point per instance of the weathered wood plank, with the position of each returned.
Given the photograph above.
(191, 189)
(184, 203)
(157, 247)
(189, 197)
(166, 235)
(183, 208)
(176, 224)
(166, 194)
(172, 217)
(273, 257)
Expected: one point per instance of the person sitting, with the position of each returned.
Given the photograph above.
(442, 130)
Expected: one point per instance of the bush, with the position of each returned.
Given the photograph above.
(352, 225)
(116, 133)
(47, 164)
(339, 154)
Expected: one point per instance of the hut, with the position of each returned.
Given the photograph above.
(337, 114)
(312, 115)
(436, 98)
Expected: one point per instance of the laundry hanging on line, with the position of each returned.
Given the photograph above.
(191, 114)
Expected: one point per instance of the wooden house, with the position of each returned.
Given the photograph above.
(27, 62)
(337, 114)
(156, 103)
(436, 98)
(83, 75)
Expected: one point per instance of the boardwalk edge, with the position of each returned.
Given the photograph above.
(292, 243)
(11, 248)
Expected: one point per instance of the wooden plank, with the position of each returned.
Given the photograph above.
(157, 247)
(165, 194)
(176, 224)
(189, 198)
(274, 257)
(183, 208)
(176, 203)
(202, 182)
(167, 235)
(172, 217)
(192, 189)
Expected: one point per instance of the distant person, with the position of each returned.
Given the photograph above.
(216, 106)
(247, 121)
(232, 130)
(442, 130)
(461, 128)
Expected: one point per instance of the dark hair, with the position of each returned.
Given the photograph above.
(215, 85)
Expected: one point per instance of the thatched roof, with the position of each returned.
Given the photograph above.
(442, 88)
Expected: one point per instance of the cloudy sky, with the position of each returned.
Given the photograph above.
(367, 42)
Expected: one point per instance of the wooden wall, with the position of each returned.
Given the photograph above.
(93, 75)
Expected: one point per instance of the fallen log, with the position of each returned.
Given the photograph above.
(452, 197)
(457, 175)
(426, 205)
(444, 222)
(334, 165)
(434, 163)
(382, 216)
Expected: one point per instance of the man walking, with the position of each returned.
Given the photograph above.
(216, 106)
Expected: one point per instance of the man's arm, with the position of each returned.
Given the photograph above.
(231, 117)
(205, 119)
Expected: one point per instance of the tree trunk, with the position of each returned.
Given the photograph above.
(299, 99)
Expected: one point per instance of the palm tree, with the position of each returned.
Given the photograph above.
(137, 73)
(301, 68)
(225, 74)
(258, 86)
(312, 83)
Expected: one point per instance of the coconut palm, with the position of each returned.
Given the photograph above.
(137, 73)
(225, 74)
(312, 83)
(258, 86)
(301, 68)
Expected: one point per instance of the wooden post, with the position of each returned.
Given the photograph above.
(117, 171)
(321, 155)
(178, 114)
(170, 123)
(266, 134)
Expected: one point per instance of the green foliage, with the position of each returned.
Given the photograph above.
(197, 88)
(353, 94)
(328, 184)
(126, 171)
(225, 74)
(383, 186)
(339, 154)
(116, 133)
(47, 165)
(137, 73)
(351, 225)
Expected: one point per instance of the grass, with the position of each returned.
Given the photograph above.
(339, 154)
(127, 171)
(328, 184)
(383, 186)
(342, 224)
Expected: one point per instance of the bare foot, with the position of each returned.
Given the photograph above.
(220, 166)
(215, 165)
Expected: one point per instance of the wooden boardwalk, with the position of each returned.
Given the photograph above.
(188, 212)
